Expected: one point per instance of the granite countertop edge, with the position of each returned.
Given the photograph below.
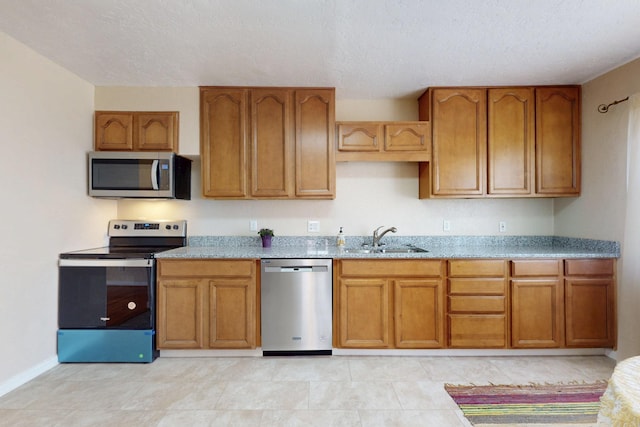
(231, 247)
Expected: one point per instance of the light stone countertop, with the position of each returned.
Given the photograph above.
(437, 247)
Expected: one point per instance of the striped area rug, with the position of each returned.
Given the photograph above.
(529, 404)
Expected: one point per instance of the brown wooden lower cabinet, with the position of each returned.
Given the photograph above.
(537, 304)
(590, 303)
(548, 303)
(537, 313)
(477, 309)
(180, 314)
(490, 303)
(390, 304)
(205, 304)
(477, 331)
(364, 313)
(232, 321)
(417, 313)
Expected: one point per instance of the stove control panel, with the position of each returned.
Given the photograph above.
(133, 228)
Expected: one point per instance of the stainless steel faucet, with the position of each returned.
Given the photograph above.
(377, 237)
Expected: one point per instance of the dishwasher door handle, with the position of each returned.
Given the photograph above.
(299, 269)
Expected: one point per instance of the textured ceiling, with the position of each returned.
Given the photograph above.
(364, 48)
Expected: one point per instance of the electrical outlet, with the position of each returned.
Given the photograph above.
(446, 225)
(313, 226)
(253, 225)
(502, 226)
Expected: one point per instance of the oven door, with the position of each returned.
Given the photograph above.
(101, 293)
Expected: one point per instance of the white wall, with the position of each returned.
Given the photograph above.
(368, 194)
(600, 212)
(46, 123)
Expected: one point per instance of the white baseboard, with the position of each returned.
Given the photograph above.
(26, 376)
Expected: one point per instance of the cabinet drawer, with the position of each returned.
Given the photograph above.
(477, 304)
(541, 267)
(211, 267)
(477, 286)
(389, 268)
(477, 331)
(477, 268)
(591, 267)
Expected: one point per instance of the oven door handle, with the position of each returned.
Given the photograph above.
(105, 263)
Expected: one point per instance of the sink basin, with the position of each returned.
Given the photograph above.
(385, 250)
(400, 250)
(358, 251)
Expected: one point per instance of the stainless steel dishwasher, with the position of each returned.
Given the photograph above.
(296, 306)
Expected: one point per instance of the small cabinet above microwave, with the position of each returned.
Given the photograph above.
(136, 130)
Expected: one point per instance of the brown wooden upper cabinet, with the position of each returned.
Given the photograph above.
(136, 130)
(267, 142)
(459, 139)
(502, 142)
(558, 141)
(384, 141)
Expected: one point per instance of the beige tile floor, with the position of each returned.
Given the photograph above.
(282, 391)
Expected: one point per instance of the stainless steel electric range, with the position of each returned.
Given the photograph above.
(106, 296)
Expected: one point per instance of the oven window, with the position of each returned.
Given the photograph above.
(111, 297)
(128, 297)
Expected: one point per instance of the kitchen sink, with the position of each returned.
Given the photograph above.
(385, 250)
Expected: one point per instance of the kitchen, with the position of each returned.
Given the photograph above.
(47, 120)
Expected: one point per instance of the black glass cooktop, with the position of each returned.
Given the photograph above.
(116, 252)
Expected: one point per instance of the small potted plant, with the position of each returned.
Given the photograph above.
(266, 234)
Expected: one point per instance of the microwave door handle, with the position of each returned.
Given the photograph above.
(154, 175)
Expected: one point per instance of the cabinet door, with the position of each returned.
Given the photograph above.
(407, 137)
(355, 136)
(223, 136)
(419, 313)
(558, 141)
(156, 131)
(510, 145)
(232, 321)
(537, 313)
(315, 175)
(459, 138)
(181, 314)
(113, 131)
(364, 313)
(271, 149)
(589, 310)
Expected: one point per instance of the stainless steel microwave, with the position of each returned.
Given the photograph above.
(139, 175)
